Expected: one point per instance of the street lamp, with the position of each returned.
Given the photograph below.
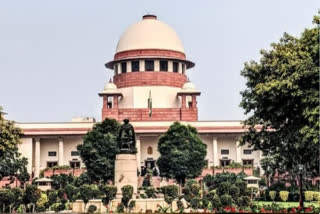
(300, 171)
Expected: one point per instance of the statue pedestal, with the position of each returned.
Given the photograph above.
(126, 172)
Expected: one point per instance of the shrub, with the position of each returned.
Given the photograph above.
(150, 192)
(132, 204)
(120, 208)
(127, 192)
(234, 191)
(195, 203)
(226, 200)
(243, 201)
(316, 196)
(216, 202)
(284, 195)
(191, 190)
(109, 193)
(92, 209)
(308, 195)
(273, 195)
(223, 188)
(242, 186)
(170, 193)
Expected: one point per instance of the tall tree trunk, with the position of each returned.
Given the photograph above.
(300, 191)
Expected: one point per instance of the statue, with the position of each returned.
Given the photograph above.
(127, 138)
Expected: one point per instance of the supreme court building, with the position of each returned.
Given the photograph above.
(150, 67)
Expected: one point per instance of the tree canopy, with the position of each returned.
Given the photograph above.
(99, 149)
(182, 153)
(11, 162)
(282, 101)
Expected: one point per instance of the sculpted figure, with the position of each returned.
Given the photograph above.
(127, 138)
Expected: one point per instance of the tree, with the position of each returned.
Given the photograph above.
(88, 192)
(282, 99)
(31, 196)
(99, 149)
(182, 153)
(71, 192)
(109, 193)
(11, 162)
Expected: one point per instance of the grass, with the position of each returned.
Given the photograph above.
(287, 204)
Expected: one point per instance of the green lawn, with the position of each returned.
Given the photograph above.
(287, 204)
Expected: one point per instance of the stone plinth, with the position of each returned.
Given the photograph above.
(126, 172)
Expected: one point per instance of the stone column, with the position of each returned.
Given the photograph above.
(238, 152)
(194, 101)
(60, 151)
(215, 151)
(138, 145)
(183, 101)
(115, 102)
(37, 157)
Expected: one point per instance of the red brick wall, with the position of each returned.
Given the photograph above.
(158, 114)
(149, 52)
(150, 78)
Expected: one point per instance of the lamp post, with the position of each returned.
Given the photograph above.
(300, 170)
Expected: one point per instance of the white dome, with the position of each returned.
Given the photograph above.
(149, 33)
(188, 86)
(110, 88)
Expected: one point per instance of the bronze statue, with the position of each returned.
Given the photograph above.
(127, 138)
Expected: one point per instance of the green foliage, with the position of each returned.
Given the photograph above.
(234, 191)
(191, 190)
(120, 208)
(71, 192)
(88, 192)
(170, 193)
(57, 207)
(150, 192)
(242, 185)
(127, 192)
(82, 179)
(308, 195)
(226, 200)
(182, 153)
(243, 201)
(132, 204)
(42, 203)
(11, 162)
(109, 192)
(195, 203)
(61, 181)
(223, 188)
(52, 197)
(273, 195)
(99, 149)
(282, 94)
(213, 181)
(284, 195)
(316, 196)
(92, 209)
(6, 199)
(216, 202)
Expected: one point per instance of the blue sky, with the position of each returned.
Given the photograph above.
(52, 53)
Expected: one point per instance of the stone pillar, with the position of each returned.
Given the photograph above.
(138, 145)
(183, 101)
(194, 101)
(60, 151)
(37, 157)
(125, 172)
(115, 102)
(215, 151)
(238, 153)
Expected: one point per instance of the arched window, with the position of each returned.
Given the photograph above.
(150, 150)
